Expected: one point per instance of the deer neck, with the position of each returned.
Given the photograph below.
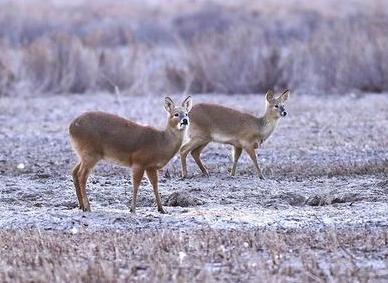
(172, 139)
(267, 125)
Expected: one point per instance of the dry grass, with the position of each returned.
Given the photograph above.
(204, 255)
(60, 64)
(228, 47)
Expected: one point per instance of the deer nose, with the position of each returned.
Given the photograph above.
(185, 121)
(284, 113)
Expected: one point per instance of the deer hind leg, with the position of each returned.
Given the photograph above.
(77, 186)
(252, 154)
(185, 149)
(137, 175)
(196, 154)
(152, 175)
(86, 165)
(236, 155)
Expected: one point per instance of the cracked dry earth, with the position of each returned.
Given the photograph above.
(326, 165)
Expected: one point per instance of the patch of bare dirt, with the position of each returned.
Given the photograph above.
(326, 164)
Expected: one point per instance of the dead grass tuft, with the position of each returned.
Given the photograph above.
(199, 255)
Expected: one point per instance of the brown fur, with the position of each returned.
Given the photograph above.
(215, 123)
(99, 135)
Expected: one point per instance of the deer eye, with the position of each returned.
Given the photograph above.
(176, 115)
(276, 106)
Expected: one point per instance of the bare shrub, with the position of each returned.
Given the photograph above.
(226, 48)
(179, 78)
(238, 61)
(209, 19)
(347, 55)
(107, 34)
(117, 68)
(7, 76)
(60, 64)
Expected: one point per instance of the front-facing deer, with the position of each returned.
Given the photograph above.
(215, 123)
(99, 135)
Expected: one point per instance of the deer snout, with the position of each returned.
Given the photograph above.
(184, 121)
(282, 111)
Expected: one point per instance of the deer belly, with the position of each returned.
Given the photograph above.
(227, 139)
(116, 157)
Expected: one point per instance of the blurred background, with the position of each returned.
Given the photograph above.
(149, 47)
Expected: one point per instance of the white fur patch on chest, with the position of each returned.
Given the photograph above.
(266, 132)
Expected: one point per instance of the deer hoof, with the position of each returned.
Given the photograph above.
(161, 210)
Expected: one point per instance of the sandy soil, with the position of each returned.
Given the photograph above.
(326, 165)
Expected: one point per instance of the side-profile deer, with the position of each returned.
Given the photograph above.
(99, 135)
(215, 123)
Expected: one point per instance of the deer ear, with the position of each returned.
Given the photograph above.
(284, 95)
(169, 105)
(269, 95)
(187, 103)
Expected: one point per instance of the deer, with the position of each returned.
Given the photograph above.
(99, 136)
(216, 123)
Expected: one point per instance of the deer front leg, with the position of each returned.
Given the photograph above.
(152, 175)
(85, 167)
(196, 153)
(137, 175)
(236, 155)
(252, 154)
(77, 186)
(184, 151)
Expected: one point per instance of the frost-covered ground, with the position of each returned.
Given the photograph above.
(326, 165)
